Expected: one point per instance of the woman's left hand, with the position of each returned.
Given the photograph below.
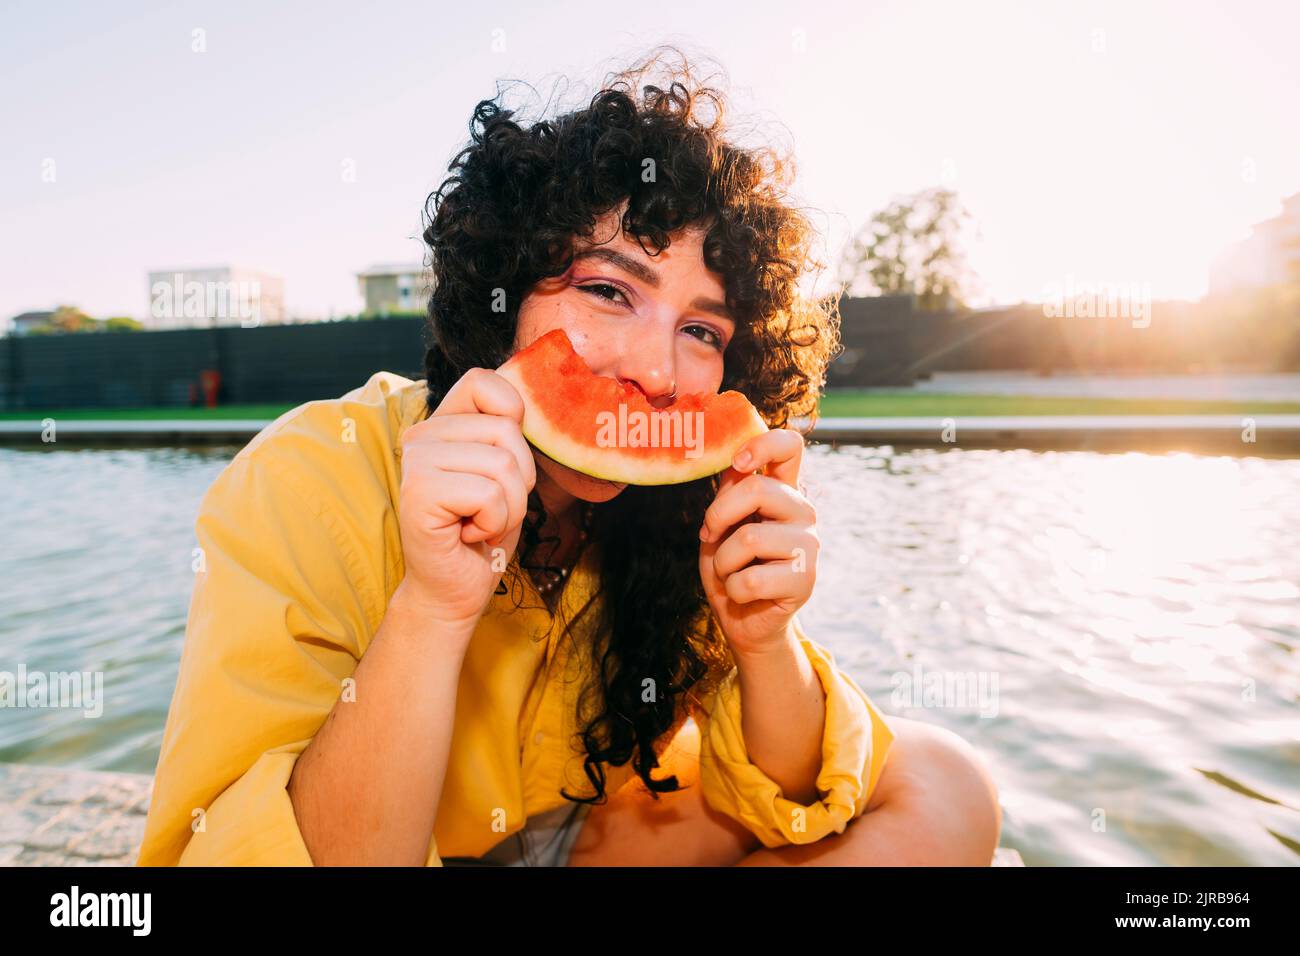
(758, 561)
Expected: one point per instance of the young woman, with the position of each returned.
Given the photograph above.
(415, 639)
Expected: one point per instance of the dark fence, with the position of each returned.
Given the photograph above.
(877, 338)
(1176, 338)
(886, 342)
(270, 364)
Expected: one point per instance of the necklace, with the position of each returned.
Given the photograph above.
(562, 574)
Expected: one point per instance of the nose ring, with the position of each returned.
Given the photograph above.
(671, 395)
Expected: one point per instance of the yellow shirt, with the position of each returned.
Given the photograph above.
(300, 554)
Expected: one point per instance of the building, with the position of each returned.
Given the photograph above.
(220, 295)
(25, 323)
(1270, 256)
(394, 287)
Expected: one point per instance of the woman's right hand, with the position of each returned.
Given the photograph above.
(466, 474)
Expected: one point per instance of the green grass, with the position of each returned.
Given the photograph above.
(862, 403)
(148, 414)
(841, 403)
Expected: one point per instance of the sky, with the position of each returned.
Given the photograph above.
(1099, 142)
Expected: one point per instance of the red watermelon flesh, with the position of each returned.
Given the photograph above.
(607, 429)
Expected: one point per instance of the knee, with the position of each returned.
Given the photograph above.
(939, 789)
(960, 776)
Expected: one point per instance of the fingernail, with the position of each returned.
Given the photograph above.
(704, 533)
(742, 461)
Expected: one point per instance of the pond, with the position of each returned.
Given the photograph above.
(1117, 634)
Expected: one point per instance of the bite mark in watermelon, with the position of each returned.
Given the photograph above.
(607, 429)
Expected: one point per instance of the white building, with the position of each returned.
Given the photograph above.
(221, 295)
(23, 324)
(1270, 256)
(394, 287)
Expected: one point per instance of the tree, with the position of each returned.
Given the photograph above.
(912, 246)
(68, 318)
(122, 323)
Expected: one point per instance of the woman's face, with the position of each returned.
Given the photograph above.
(659, 323)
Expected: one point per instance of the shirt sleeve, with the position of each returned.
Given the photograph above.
(855, 744)
(282, 608)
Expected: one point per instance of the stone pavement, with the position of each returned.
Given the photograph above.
(53, 816)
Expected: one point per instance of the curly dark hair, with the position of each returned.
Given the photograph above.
(506, 218)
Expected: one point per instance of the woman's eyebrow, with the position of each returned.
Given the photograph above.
(624, 262)
(650, 277)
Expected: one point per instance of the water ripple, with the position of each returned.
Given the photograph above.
(1139, 613)
(1115, 633)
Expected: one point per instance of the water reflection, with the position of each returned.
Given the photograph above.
(1116, 633)
(95, 577)
(1140, 613)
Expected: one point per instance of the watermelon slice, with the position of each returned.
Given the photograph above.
(607, 429)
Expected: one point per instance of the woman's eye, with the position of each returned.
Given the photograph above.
(715, 339)
(603, 290)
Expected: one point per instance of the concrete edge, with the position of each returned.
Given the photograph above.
(1277, 435)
